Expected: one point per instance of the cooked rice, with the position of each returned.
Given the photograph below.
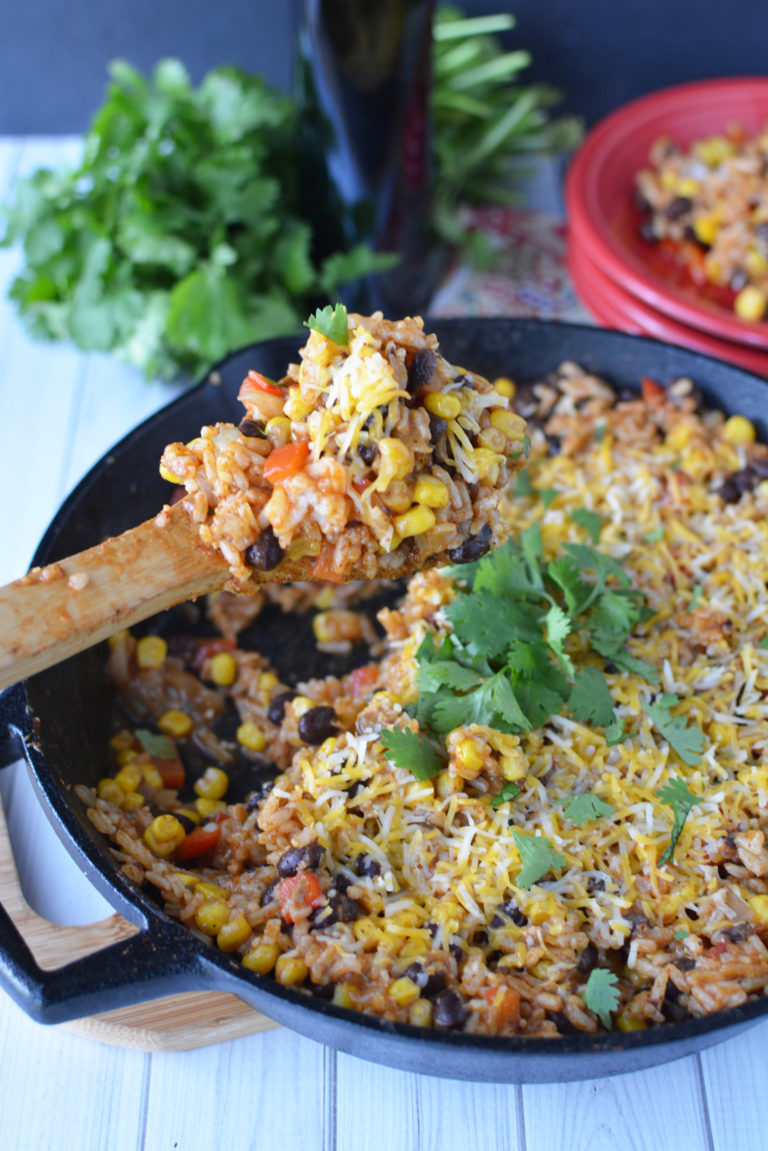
(398, 896)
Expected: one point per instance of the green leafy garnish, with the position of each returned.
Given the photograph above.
(601, 994)
(537, 856)
(681, 800)
(330, 322)
(509, 791)
(654, 535)
(585, 807)
(155, 744)
(763, 642)
(589, 520)
(681, 933)
(411, 751)
(687, 740)
(697, 597)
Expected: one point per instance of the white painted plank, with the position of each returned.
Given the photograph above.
(398, 1111)
(735, 1077)
(662, 1108)
(270, 1090)
(61, 1092)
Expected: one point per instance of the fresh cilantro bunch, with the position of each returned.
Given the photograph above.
(178, 236)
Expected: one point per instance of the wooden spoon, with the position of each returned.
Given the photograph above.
(56, 611)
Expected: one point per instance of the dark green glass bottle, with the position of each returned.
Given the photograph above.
(364, 81)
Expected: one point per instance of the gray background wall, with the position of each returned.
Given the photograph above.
(53, 53)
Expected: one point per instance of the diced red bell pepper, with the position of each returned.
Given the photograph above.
(286, 461)
(298, 892)
(200, 840)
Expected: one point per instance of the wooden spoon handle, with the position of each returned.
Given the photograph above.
(54, 612)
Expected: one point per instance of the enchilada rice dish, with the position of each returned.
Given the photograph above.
(541, 807)
(373, 457)
(707, 206)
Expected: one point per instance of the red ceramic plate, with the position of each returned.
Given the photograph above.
(615, 308)
(604, 219)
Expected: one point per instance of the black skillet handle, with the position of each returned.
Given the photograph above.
(143, 966)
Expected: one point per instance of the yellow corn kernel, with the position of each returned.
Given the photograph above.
(211, 916)
(396, 460)
(234, 932)
(267, 681)
(687, 187)
(151, 651)
(290, 970)
(446, 407)
(222, 668)
(713, 150)
(750, 303)
(189, 813)
(278, 430)
(301, 705)
(678, 437)
(668, 179)
(262, 958)
(431, 492)
(133, 801)
(403, 991)
(706, 226)
(415, 521)
(129, 777)
(251, 736)
(208, 807)
(126, 755)
(168, 475)
(506, 422)
(122, 741)
(759, 905)
(366, 931)
(470, 755)
(505, 387)
(111, 791)
(210, 890)
(445, 785)
(185, 878)
(323, 627)
(295, 407)
(738, 430)
(486, 464)
(175, 723)
(164, 835)
(152, 776)
(341, 996)
(541, 969)
(398, 497)
(212, 784)
(627, 1022)
(421, 1013)
(755, 262)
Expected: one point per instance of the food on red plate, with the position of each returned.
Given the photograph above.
(707, 205)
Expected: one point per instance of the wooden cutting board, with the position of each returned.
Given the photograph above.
(176, 1023)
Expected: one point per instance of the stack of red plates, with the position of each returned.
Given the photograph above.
(624, 281)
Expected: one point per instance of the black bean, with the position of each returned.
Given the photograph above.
(587, 959)
(473, 548)
(365, 864)
(421, 369)
(678, 207)
(733, 486)
(430, 983)
(270, 892)
(266, 553)
(299, 858)
(739, 280)
(277, 706)
(671, 1008)
(368, 453)
(738, 933)
(437, 428)
(564, 1025)
(595, 883)
(685, 963)
(257, 798)
(187, 823)
(450, 1011)
(692, 913)
(254, 429)
(457, 951)
(760, 468)
(317, 724)
(320, 990)
(343, 908)
(509, 910)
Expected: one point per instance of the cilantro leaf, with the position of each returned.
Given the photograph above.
(615, 733)
(409, 750)
(523, 483)
(590, 699)
(330, 322)
(654, 535)
(629, 663)
(585, 807)
(687, 740)
(155, 744)
(558, 627)
(681, 800)
(601, 994)
(493, 703)
(697, 597)
(548, 495)
(509, 791)
(681, 933)
(589, 520)
(537, 856)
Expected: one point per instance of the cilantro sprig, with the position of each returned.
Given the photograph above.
(414, 752)
(331, 322)
(681, 800)
(687, 740)
(585, 807)
(601, 994)
(537, 857)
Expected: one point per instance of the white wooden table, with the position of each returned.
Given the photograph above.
(59, 412)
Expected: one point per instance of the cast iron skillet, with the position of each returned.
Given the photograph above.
(58, 722)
